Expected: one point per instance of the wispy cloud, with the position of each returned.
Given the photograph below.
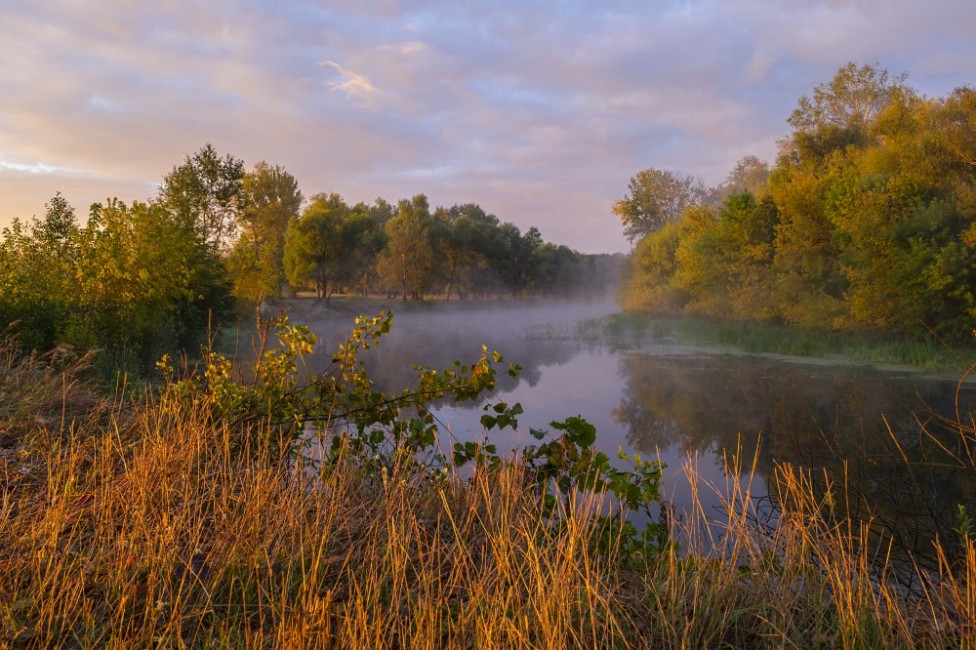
(30, 168)
(356, 86)
(540, 115)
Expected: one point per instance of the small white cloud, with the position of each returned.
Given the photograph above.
(354, 85)
(31, 168)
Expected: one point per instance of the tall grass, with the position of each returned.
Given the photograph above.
(137, 523)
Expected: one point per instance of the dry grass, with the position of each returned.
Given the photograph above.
(143, 527)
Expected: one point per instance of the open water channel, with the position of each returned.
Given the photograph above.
(876, 431)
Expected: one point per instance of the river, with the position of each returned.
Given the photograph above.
(696, 409)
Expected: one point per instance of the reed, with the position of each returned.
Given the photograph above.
(140, 523)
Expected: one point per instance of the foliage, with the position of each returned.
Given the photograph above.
(272, 200)
(315, 246)
(144, 279)
(135, 281)
(206, 193)
(408, 262)
(864, 223)
(656, 197)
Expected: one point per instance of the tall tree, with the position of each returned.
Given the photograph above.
(850, 100)
(841, 112)
(364, 237)
(655, 198)
(315, 249)
(272, 201)
(408, 259)
(206, 192)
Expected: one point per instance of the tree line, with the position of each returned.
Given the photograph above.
(145, 278)
(410, 251)
(866, 221)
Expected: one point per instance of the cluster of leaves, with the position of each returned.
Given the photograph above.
(866, 222)
(342, 416)
(142, 279)
(134, 280)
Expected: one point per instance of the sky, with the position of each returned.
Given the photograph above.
(539, 111)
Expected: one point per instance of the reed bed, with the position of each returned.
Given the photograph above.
(140, 523)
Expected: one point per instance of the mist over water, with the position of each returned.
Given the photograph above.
(684, 406)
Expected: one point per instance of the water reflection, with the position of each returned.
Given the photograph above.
(876, 434)
(850, 426)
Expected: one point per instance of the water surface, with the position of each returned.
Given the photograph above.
(848, 424)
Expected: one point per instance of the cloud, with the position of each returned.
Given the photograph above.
(31, 168)
(356, 86)
(541, 112)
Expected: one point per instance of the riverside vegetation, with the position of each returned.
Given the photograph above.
(297, 510)
(633, 330)
(866, 222)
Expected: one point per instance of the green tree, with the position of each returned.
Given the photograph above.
(655, 198)
(315, 249)
(272, 201)
(556, 270)
(207, 193)
(146, 285)
(407, 261)
(38, 260)
(365, 237)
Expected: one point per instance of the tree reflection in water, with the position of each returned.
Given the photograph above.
(881, 438)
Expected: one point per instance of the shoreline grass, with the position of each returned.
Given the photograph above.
(630, 331)
(133, 523)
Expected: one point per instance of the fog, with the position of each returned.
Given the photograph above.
(532, 334)
(688, 406)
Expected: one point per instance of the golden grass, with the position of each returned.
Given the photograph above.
(142, 527)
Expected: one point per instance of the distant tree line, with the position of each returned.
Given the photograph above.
(142, 279)
(409, 251)
(867, 221)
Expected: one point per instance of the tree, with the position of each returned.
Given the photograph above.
(364, 237)
(206, 193)
(272, 200)
(650, 271)
(521, 251)
(314, 245)
(38, 260)
(841, 113)
(850, 100)
(656, 197)
(145, 283)
(407, 260)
